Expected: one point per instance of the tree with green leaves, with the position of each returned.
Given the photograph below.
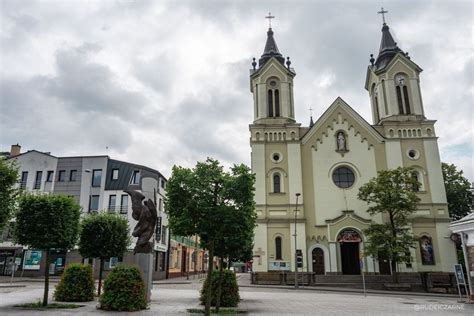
(199, 201)
(458, 191)
(8, 192)
(393, 194)
(103, 235)
(46, 222)
(235, 239)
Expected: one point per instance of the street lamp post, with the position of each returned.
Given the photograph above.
(296, 248)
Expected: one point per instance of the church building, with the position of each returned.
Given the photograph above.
(308, 177)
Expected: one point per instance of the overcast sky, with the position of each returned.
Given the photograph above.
(161, 83)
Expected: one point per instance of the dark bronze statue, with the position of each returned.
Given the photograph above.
(146, 215)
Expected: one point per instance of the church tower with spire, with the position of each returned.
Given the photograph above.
(276, 155)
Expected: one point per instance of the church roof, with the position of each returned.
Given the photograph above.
(271, 50)
(388, 48)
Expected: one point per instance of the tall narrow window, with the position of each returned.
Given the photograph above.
(112, 202)
(96, 177)
(270, 103)
(402, 94)
(94, 203)
(62, 175)
(276, 183)
(407, 101)
(277, 103)
(73, 175)
(39, 176)
(400, 101)
(278, 248)
(49, 176)
(124, 204)
(24, 178)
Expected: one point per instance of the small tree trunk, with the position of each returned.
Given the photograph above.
(46, 279)
(219, 285)
(394, 271)
(101, 269)
(207, 310)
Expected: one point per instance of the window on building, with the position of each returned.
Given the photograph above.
(39, 176)
(343, 177)
(426, 251)
(24, 179)
(124, 204)
(163, 183)
(94, 203)
(273, 98)
(276, 183)
(62, 175)
(73, 175)
(96, 177)
(416, 179)
(160, 204)
(135, 177)
(50, 176)
(163, 235)
(115, 174)
(270, 103)
(278, 248)
(112, 202)
(402, 94)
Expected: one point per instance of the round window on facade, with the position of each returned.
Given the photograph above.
(276, 157)
(343, 177)
(413, 154)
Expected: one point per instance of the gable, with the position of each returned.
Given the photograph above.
(272, 68)
(341, 113)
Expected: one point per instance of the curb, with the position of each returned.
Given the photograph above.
(5, 286)
(339, 290)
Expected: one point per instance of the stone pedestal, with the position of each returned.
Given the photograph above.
(145, 264)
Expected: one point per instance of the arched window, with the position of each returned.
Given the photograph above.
(277, 103)
(416, 179)
(273, 91)
(278, 248)
(270, 103)
(402, 94)
(276, 183)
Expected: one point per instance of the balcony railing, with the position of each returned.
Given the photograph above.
(122, 209)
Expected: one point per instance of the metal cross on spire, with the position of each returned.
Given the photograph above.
(270, 17)
(310, 111)
(383, 14)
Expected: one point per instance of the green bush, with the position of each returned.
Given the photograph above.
(230, 289)
(124, 290)
(76, 284)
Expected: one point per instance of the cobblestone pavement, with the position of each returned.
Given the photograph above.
(175, 299)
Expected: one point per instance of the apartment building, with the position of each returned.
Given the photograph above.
(98, 184)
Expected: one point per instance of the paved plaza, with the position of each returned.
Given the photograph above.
(175, 297)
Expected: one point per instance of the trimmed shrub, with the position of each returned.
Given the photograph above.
(230, 289)
(124, 290)
(76, 284)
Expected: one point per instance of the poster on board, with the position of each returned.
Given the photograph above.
(32, 260)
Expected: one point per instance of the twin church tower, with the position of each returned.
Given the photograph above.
(308, 177)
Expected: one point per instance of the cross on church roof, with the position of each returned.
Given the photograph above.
(310, 111)
(383, 14)
(269, 17)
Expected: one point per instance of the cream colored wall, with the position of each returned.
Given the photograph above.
(260, 244)
(435, 175)
(329, 200)
(282, 230)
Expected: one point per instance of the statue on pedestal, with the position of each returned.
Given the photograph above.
(145, 213)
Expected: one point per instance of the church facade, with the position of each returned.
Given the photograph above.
(307, 178)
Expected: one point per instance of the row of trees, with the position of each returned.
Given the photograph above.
(47, 222)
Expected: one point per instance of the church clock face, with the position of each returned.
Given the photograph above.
(400, 80)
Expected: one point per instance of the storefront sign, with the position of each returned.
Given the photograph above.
(32, 260)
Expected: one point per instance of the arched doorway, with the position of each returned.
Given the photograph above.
(349, 241)
(318, 260)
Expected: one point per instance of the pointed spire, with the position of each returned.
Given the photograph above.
(311, 123)
(388, 48)
(271, 50)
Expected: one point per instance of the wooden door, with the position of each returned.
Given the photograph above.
(318, 261)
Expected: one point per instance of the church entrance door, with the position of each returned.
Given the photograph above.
(349, 240)
(318, 261)
(350, 258)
